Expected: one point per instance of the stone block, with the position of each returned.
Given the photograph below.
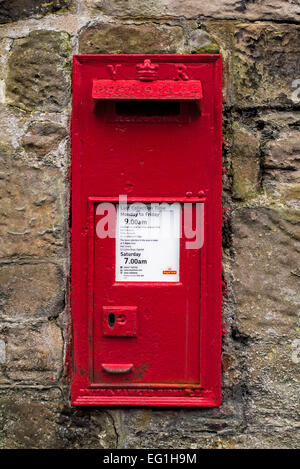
(245, 163)
(38, 77)
(40, 419)
(109, 38)
(287, 10)
(13, 10)
(184, 429)
(265, 64)
(33, 208)
(43, 137)
(266, 287)
(282, 166)
(33, 347)
(31, 291)
(28, 418)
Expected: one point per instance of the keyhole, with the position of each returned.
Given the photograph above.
(111, 320)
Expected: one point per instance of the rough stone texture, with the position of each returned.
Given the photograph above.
(31, 290)
(32, 201)
(261, 62)
(261, 346)
(2, 351)
(38, 72)
(264, 9)
(266, 287)
(200, 42)
(282, 165)
(11, 127)
(284, 153)
(245, 163)
(42, 137)
(129, 39)
(41, 419)
(12, 10)
(43, 340)
(266, 243)
(190, 428)
(27, 418)
(265, 63)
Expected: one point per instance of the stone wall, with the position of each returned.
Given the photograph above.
(259, 41)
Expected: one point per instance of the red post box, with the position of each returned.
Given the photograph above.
(146, 230)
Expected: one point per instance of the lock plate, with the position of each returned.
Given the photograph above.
(119, 321)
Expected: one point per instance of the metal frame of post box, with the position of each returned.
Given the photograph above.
(83, 391)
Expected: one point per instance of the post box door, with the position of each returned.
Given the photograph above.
(147, 330)
(146, 308)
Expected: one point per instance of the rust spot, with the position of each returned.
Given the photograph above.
(139, 373)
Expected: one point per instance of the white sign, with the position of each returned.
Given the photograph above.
(147, 242)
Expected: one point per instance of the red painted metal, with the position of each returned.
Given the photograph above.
(118, 369)
(169, 351)
(163, 90)
(119, 321)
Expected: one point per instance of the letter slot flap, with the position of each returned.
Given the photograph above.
(132, 90)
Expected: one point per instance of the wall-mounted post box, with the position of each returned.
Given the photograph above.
(146, 230)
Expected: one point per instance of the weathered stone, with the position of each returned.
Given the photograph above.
(43, 137)
(32, 213)
(265, 63)
(283, 184)
(38, 72)
(28, 418)
(284, 153)
(222, 34)
(282, 160)
(30, 290)
(221, 9)
(12, 10)
(200, 42)
(87, 428)
(273, 372)
(2, 352)
(274, 122)
(266, 243)
(40, 419)
(231, 370)
(266, 287)
(5, 44)
(267, 438)
(43, 340)
(191, 428)
(245, 163)
(273, 405)
(261, 61)
(11, 126)
(105, 38)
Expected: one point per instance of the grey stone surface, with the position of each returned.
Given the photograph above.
(266, 62)
(221, 9)
(266, 243)
(261, 61)
(282, 165)
(12, 10)
(42, 419)
(44, 345)
(31, 290)
(42, 137)
(245, 163)
(128, 39)
(38, 75)
(33, 201)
